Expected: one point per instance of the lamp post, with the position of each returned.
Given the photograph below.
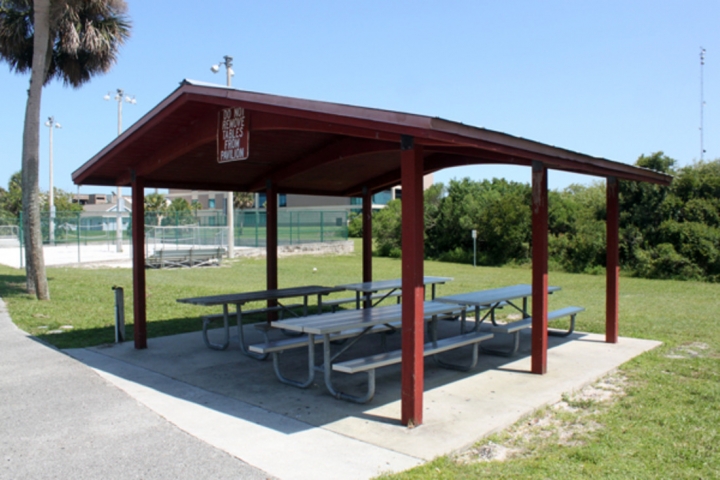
(51, 123)
(474, 237)
(229, 195)
(120, 97)
(702, 104)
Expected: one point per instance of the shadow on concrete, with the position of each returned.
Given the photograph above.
(230, 374)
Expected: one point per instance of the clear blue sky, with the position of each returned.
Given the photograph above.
(609, 78)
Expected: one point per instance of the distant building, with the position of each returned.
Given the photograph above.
(210, 200)
(90, 199)
(100, 211)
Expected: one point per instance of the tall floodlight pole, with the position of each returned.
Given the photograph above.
(229, 195)
(51, 123)
(120, 97)
(702, 104)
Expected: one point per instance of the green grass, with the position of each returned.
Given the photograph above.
(666, 426)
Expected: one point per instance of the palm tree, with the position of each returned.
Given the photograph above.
(243, 200)
(157, 205)
(11, 200)
(72, 40)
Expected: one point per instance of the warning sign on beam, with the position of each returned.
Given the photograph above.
(233, 137)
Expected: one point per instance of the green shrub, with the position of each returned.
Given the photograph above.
(457, 255)
(387, 229)
(663, 262)
(355, 226)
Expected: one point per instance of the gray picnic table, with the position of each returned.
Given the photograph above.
(356, 324)
(494, 298)
(240, 299)
(367, 289)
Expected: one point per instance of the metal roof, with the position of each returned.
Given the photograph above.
(309, 147)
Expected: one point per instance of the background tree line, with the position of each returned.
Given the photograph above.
(11, 200)
(665, 232)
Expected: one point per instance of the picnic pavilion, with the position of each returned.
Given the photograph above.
(209, 137)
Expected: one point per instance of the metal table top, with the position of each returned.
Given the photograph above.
(492, 296)
(338, 322)
(374, 286)
(244, 297)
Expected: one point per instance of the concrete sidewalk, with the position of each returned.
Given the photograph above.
(59, 419)
(240, 421)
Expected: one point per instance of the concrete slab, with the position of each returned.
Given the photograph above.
(236, 404)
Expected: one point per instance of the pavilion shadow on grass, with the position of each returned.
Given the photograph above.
(208, 137)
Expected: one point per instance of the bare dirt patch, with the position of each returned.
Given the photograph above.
(689, 350)
(567, 422)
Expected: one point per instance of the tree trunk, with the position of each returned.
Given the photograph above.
(34, 260)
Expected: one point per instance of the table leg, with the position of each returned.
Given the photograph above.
(241, 336)
(327, 369)
(369, 295)
(357, 300)
(226, 327)
(319, 303)
(311, 366)
(305, 305)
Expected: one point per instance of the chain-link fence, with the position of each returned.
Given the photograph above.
(183, 228)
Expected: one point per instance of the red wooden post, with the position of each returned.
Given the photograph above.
(138, 239)
(271, 244)
(612, 298)
(367, 235)
(413, 326)
(539, 268)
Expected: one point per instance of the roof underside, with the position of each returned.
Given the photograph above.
(309, 147)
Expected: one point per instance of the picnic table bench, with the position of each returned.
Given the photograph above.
(370, 291)
(334, 303)
(356, 324)
(514, 328)
(240, 299)
(498, 297)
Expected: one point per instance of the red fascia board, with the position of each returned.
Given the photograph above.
(429, 129)
(373, 123)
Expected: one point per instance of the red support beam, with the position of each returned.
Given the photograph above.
(138, 239)
(271, 243)
(412, 283)
(367, 235)
(612, 298)
(539, 268)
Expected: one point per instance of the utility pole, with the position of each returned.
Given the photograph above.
(119, 97)
(702, 104)
(51, 193)
(230, 201)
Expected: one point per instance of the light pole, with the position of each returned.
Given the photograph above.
(51, 194)
(702, 104)
(229, 196)
(474, 237)
(120, 97)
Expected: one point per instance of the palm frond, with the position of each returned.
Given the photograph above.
(16, 34)
(86, 37)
